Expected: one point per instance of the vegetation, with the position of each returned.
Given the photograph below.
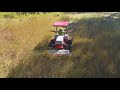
(20, 35)
(96, 47)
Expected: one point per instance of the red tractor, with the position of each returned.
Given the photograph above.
(61, 40)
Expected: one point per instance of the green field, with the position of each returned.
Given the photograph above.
(24, 39)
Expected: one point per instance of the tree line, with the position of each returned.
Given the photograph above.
(25, 13)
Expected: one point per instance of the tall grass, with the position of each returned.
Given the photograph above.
(19, 36)
(95, 51)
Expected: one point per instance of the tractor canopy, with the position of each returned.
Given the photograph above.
(61, 24)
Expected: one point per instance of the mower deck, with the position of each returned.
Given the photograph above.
(59, 52)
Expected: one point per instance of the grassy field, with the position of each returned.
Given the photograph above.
(19, 35)
(96, 46)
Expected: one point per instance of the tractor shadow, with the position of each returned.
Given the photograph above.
(41, 46)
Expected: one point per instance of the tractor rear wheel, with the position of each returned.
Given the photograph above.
(70, 45)
(69, 42)
(51, 45)
(51, 42)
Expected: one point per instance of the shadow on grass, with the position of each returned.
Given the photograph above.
(96, 53)
(41, 46)
(96, 49)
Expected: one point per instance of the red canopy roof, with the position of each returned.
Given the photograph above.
(61, 24)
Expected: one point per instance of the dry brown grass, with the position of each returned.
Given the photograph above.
(19, 36)
(95, 52)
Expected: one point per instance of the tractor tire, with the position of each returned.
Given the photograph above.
(69, 42)
(51, 42)
(70, 45)
(50, 45)
(65, 47)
